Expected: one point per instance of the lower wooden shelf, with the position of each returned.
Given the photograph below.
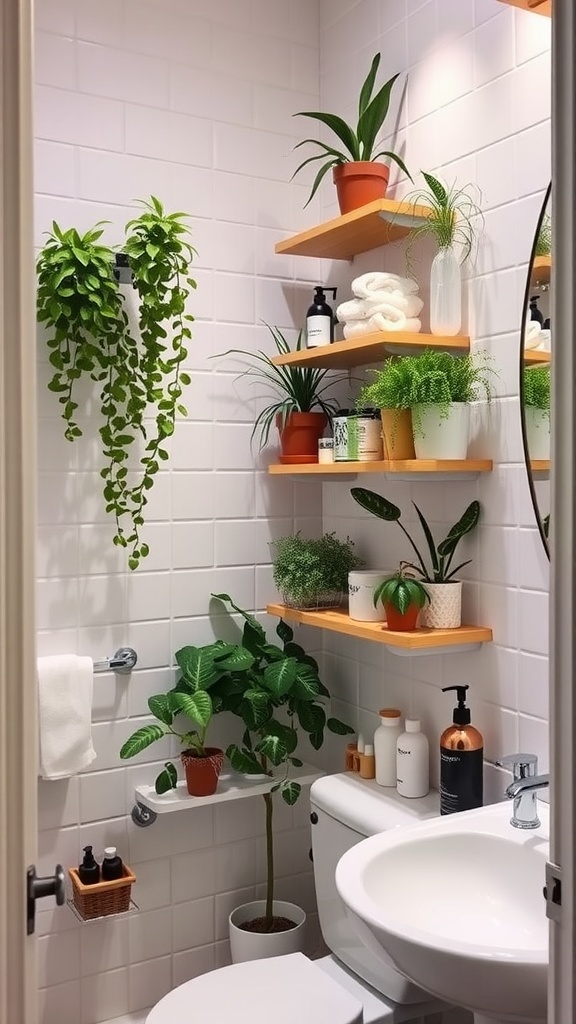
(540, 465)
(420, 641)
(409, 468)
(231, 786)
(533, 355)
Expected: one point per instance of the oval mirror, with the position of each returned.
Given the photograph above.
(535, 366)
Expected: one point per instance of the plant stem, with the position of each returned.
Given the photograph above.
(268, 800)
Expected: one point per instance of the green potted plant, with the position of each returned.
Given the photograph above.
(196, 699)
(277, 697)
(443, 386)
(358, 177)
(139, 373)
(403, 597)
(300, 409)
(544, 240)
(452, 224)
(313, 572)
(536, 405)
(443, 611)
(391, 391)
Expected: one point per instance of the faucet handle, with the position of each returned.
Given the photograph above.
(522, 766)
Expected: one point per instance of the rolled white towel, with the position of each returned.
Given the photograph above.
(390, 304)
(532, 332)
(365, 285)
(357, 328)
(354, 309)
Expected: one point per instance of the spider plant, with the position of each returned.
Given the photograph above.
(450, 221)
(359, 143)
(301, 388)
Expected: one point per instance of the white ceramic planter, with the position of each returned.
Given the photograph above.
(361, 586)
(441, 437)
(257, 946)
(445, 608)
(537, 432)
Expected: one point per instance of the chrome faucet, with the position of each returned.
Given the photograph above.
(523, 789)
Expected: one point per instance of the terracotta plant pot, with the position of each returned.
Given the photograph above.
(202, 773)
(397, 433)
(401, 623)
(360, 182)
(300, 435)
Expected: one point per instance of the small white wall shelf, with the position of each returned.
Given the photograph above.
(231, 786)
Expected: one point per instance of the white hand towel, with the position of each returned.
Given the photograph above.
(65, 715)
(532, 332)
(391, 304)
(365, 285)
(381, 322)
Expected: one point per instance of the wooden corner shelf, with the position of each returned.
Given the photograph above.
(541, 270)
(540, 465)
(533, 357)
(412, 468)
(377, 223)
(535, 6)
(420, 641)
(345, 355)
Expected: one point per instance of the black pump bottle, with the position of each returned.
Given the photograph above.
(320, 319)
(89, 870)
(461, 760)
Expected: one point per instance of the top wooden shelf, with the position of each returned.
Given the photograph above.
(532, 356)
(536, 6)
(342, 238)
(541, 270)
(369, 348)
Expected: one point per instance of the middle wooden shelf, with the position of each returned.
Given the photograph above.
(405, 468)
(419, 641)
(371, 348)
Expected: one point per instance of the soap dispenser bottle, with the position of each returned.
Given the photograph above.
(320, 319)
(461, 760)
(535, 311)
(112, 866)
(89, 869)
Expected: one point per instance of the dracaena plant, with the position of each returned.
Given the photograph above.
(439, 569)
(138, 372)
(299, 388)
(453, 219)
(359, 143)
(277, 696)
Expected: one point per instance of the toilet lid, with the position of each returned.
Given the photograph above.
(284, 989)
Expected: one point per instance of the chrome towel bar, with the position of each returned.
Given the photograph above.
(123, 661)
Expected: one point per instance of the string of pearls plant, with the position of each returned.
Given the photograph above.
(139, 371)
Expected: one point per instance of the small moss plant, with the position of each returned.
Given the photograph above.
(312, 573)
(139, 372)
(536, 390)
(544, 240)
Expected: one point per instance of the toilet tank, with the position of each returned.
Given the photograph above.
(345, 810)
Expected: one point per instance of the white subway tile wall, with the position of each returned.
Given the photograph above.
(193, 102)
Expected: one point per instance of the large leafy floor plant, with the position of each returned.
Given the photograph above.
(276, 693)
(139, 372)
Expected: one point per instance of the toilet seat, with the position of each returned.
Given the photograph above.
(284, 989)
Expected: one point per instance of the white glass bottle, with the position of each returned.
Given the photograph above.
(385, 742)
(412, 761)
(445, 293)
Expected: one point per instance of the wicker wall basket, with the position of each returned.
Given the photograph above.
(103, 898)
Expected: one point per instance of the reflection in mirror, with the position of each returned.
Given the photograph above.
(535, 365)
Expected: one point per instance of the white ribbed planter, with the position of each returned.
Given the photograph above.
(445, 608)
(537, 432)
(441, 437)
(257, 945)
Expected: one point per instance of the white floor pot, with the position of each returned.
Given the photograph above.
(259, 945)
(537, 432)
(438, 436)
(445, 608)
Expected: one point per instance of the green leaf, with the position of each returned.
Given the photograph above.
(243, 761)
(306, 686)
(141, 739)
(429, 538)
(196, 706)
(197, 665)
(279, 676)
(284, 632)
(272, 748)
(338, 727)
(167, 779)
(238, 660)
(373, 118)
(368, 86)
(159, 708)
(376, 504)
(436, 188)
(338, 126)
(312, 717)
(290, 791)
(465, 524)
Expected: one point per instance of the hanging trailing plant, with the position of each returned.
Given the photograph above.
(139, 372)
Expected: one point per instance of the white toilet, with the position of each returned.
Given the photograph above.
(350, 986)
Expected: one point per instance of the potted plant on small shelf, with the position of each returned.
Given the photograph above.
(358, 177)
(444, 609)
(403, 597)
(138, 371)
(313, 572)
(301, 409)
(195, 698)
(536, 405)
(391, 391)
(451, 222)
(443, 388)
(276, 696)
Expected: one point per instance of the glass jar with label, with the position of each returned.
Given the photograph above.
(340, 428)
(364, 440)
(326, 449)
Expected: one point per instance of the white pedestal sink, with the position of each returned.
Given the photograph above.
(457, 903)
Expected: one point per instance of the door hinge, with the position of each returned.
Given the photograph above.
(553, 892)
